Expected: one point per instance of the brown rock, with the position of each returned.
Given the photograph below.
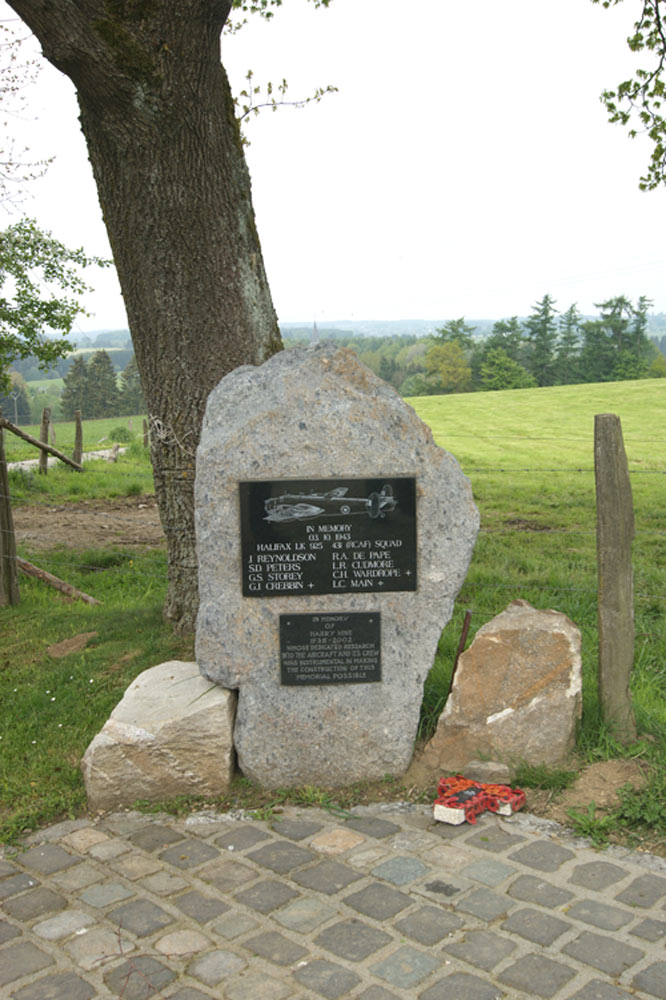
(516, 694)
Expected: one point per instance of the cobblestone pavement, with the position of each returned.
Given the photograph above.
(380, 905)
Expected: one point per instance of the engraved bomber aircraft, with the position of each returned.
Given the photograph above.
(304, 506)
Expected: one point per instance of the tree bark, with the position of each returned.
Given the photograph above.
(158, 118)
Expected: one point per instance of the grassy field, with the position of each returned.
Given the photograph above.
(96, 434)
(529, 457)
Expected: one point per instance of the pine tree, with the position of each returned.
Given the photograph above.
(75, 390)
(103, 397)
(568, 347)
(542, 336)
(131, 393)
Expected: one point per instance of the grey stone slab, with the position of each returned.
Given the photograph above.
(8, 932)
(604, 953)
(483, 949)
(445, 831)
(494, 839)
(264, 897)
(305, 914)
(376, 993)
(6, 869)
(372, 826)
(441, 889)
(190, 994)
(461, 986)
(406, 967)
(242, 838)
(531, 889)
(598, 990)
(381, 902)
(326, 876)
(352, 939)
(200, 907)
(227, 875)
(296, 829)
(328, 979)
(489, 872)
(61, 986)
(607, 918)
(597, 875)
(484, 904)
(21, 958)
(139, 978)
(234, 924)
(215, 966)
(255, 986)
(105, 894)
(644, 891)
(63, 925)
(400, 870)
(155, 837)
(282, 857)
(537, 975)
(33, 904)
(16, 883)
(533, 925)
(429, 925)
(652, 980)
(543, 855)
(189, 854)
(275, 947)
(163, 883)
(140, 917)
(48, 858)
(650, 930)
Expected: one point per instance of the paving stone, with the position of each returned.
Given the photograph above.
(644, 891)
(125, 824)
(254, 986)
(20, 959)
(77, 878)
(368, 856)
(400, 870)
(336, 841)
(200, 907)
(608, 918)
(82, 840)
(494, 839)
(180, 943)
(304, 915)
(406, 967)
(190, 994)
(163, 883)
(531, 889)
(111, 849)
(448, 832)
(233, 924)
(378, 901)
(275, 947)
(266, 896)
(371, 826)
(281, 856)
(485, 905)
(429, 925)
(15, 884)
(97, 946)
(64, 925)
(48, 858)
(533, 925)
(141, 917)
(106, 894)
(135, 866)
(296, 829)
(326, 978)
(8, 932)
(597, 875)
(650, 930)
(605, 953)
(598, 990)
(215, 966)
(155, 837)
(376, 993)
(652, 980)
(442, 890)
(543, 855)
(537, 975)
(242, 838)
(326, 876)
(7, 868)
(482, 949)
(461, 986)
(139, 978)
(491, 873)
(35, 903)
(227, 875)
(61, 986)
(189, 854)
(352, 939)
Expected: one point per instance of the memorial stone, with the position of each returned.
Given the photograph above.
(332, 538)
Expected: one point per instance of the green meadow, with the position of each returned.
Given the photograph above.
(529, 457)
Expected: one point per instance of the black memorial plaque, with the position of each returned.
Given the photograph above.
(330, 648)
(328, 536)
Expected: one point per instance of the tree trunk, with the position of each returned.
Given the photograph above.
(158, 118)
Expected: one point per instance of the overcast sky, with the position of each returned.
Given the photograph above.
(464, 168)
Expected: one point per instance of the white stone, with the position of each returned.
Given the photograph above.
(171, 734)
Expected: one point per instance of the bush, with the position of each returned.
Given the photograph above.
(121, 434)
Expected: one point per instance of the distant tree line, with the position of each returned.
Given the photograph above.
(92, 387)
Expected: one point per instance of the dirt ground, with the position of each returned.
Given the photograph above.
(90, 524)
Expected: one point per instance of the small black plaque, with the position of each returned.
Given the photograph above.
(328, 536)
(330, 648)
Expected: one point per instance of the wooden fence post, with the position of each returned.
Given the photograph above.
(78, 437)
(9, 588)
(615, 533)
(44, 438)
